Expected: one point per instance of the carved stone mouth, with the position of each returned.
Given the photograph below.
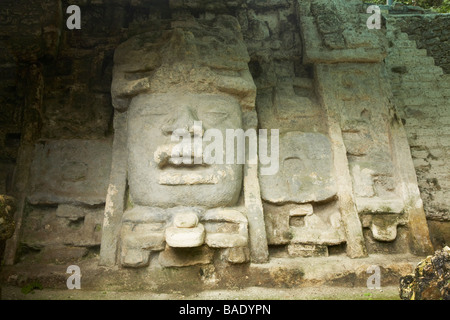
(193, 178)
(163, 158)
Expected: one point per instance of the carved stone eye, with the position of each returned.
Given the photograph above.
(217, 115)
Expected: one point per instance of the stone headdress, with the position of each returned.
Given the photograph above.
(192, 57)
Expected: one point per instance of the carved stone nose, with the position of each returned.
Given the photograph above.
(182, 120)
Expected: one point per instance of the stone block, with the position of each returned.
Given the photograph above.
(383, 226)
(236, 255)
(221, 227)
(225, 228)
(135, 258)
(301, 211)
(62, 255)
(185, 221)
(224, 215)
(329, 237)
(70, 171)
(144, 215)
(143, 236)
(224, 240)
(73, 213)
(185, 238)
(380, 205)
(277, 223)
(184, 257)
(305, 174)
(307, 250)
(43, 228)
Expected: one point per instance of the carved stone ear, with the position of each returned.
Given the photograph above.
(121, 104)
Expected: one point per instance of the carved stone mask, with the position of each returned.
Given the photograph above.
(154, 179)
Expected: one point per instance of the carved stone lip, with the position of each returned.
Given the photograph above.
(163, 158)
(192, 178)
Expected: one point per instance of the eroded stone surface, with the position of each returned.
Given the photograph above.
(171, 185)
(236, 255)
(338, 32)
(185, 221)
(305, 174)
(176, 257)
(319, 73)
(43, 228)
(72, 171)
(186, 80)
(302, 250)
(185, 237)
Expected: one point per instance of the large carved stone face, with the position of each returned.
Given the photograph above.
(153, 180)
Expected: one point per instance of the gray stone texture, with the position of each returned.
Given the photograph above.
(173, 257)
(430, 31)
(70, 172)
(421, 95)
(308, 62)
(305, 175)
(63, 226)
(338, 32)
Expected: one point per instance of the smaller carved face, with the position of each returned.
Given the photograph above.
(154, 179)
(305, 170)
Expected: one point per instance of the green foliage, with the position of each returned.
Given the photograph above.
(369, 296)
(441, 6)
(29, 288)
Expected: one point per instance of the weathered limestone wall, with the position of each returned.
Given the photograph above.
(315, 77)
(55, 93)
(431, 32)
(10, 118)
(421, 93)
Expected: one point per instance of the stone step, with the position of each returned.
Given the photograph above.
(412, 85)
(401, 91)
(446, 93)
(419, 141)
(408, 52)
(445, 121)
(295, 272)
(418, 111)
(402, 36)
(435, 94)
(443, 110)
(416, 70)
(412, 101)
(251, 293)
(421, 77)
(410, 61)
(445, 81)
(425, 70)
(405, 44)
(416, 122)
